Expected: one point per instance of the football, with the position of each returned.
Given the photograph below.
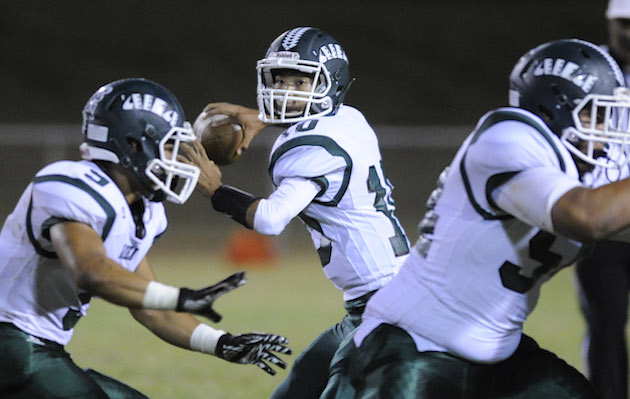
(220, 137)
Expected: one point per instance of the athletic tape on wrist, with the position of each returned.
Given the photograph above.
(160, 296)
(204, 339)
(234, 202)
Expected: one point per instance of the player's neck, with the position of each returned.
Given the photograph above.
(122, 180)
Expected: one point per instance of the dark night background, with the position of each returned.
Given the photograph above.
(420, 66)
(416, 62)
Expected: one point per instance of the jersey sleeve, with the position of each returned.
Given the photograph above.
(290, 198)
(531, 194)
(515, 169)
(65, 199)
(316, 158)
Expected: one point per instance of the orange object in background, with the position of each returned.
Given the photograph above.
(246, 247)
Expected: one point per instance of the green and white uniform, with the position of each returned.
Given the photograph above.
(329, 172)
(37, 293)
(456, 308)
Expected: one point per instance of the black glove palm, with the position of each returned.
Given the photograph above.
(200, 301)
(253, 348)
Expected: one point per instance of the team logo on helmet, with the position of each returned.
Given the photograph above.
(96, 99)
(293, 37)
(566, 70)
(150, 103)
(331, 51)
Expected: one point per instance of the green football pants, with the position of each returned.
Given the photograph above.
(33, 368)
(309, 373)
(388, 366)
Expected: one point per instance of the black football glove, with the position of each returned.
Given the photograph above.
(253, 348)
(200, 301)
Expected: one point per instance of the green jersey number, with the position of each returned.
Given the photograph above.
(539, 250)
(381, 202)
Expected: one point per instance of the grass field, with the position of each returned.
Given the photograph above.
(292, 298)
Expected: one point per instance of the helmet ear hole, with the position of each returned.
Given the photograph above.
(563, 99)
(546, 114)
(134, 144)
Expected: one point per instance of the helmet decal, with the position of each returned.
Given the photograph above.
(565, 70)
(304, 52)
(93, 102)
(140, 125)
(578, 90)
(293, 37)
(331, 51)
(156, 105)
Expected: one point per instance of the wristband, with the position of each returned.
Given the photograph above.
(204, 339)
(234, 202)
(160, 296)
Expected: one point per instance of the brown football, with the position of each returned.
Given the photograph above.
(220, 136)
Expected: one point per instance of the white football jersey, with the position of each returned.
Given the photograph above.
(37, 293)
(360, 242)
(475, 273)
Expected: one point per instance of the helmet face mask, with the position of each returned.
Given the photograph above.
(276, 100)
(601, 123)
(579, 91)
(303, 51)
(177, 180)
(139, 125)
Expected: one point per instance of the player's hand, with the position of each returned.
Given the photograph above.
(209, 173)
(246, 117)
(254, 348)
(200, 301)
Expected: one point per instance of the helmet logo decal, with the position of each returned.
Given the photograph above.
(96, 99)
(155, 105)
(331, 51)
(293, 37)
(565, 69)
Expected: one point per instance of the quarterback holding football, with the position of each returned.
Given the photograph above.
(326, 168)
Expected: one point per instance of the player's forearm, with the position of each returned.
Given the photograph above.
(593, 214)
(108, 280)
(172, 327)
(235, 203)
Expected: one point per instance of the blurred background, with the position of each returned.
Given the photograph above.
(425, 72)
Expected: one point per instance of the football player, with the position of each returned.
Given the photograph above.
(604, 275)
(508, 213)
(327, 169)
(82, 229)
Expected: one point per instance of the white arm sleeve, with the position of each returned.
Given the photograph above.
(531, 194)
(290, 198)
